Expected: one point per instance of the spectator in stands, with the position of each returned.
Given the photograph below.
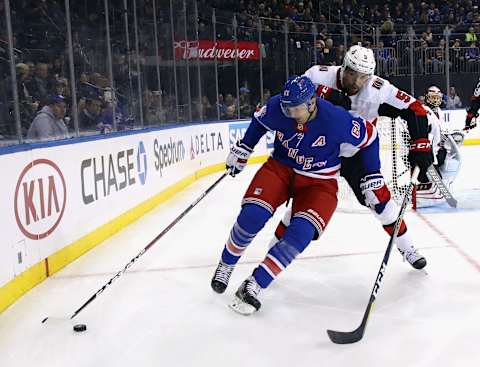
(470, 36)
(208, 111)
(387, 26)
(385, 60)
(28, 105)
(246, 108)
(89, 116)
(58, 67)
(453, 100)
(84, 88)
(48, 123)
(222, 107)
(457, 56)
(231, 112)
(340, 54)
(410, 14)
(329, 52)
(423, 60)
(155, 112)
(61, 87)
(319, 46)
(39, 83)
(438, 59)
(472, 56)
(229, 100)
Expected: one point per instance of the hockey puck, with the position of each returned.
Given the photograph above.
(79, 328)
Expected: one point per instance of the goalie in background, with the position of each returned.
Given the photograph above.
(445, 145)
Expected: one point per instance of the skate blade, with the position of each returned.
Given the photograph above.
(242, 307)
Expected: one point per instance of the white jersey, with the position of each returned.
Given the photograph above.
(374, 92)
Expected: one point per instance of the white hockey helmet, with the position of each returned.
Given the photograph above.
(360, 59)
(434, 96)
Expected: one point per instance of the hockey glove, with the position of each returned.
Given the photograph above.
(334, 96)
(374, 190)
(420, 154)
(388, 111)
(238, 157)
(470, 121)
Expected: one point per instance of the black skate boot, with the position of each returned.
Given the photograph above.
(414, 258)
(246, 301)
(221, 277)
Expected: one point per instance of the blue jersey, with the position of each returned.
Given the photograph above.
(315, 148)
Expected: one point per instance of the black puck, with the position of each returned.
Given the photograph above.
(79, 328)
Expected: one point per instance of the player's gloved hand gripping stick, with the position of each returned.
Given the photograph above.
(237, 158)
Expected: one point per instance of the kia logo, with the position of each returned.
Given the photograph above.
(40, 198)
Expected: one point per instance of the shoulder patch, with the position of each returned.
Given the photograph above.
(261, 112)
(378, 83)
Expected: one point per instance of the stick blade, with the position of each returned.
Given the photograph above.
(51, 320)
(346, 337)
(452, 202)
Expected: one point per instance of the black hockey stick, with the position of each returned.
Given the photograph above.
(146, 248)
(349, 337)
(434, 176)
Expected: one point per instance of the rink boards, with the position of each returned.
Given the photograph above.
(60, 199)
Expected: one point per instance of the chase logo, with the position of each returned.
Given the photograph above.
(142, 163)
(236, 132)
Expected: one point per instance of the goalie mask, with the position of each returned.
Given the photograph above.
(433, 97)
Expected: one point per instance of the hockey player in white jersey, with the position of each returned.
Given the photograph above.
(445, 145)
(355, 87)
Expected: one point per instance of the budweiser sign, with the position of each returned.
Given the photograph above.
(223, 50)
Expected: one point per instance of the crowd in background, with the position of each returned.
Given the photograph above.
(42, 72)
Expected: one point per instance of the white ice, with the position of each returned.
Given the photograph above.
(163, 312)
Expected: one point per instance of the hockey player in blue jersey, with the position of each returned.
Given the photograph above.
(311, 135)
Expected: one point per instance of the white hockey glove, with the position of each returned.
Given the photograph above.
(374, 189)
(238, 157)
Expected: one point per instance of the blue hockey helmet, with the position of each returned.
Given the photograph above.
(298, 90)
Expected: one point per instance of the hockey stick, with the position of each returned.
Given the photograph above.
(434, 176)
(145, 249)
(349, 337)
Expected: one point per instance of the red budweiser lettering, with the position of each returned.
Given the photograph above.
(223, 50)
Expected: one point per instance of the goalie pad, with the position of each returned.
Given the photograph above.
(428, 194)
